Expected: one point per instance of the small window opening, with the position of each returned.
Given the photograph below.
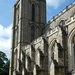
(33, 12)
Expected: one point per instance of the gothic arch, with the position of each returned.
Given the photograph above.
(51, 63)
(53, 49)
(52, 41)
(70, 50)
(51, 45)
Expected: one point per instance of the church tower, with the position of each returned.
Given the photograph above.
(29, 19)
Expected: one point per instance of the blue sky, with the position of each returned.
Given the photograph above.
(6, 6)
(56, 6)
(6, 11)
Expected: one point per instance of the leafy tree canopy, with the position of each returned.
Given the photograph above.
(4, 64)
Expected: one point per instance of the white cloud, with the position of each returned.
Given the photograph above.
(5, 39)
(55, 3)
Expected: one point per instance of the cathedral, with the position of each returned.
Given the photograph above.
(40, 48)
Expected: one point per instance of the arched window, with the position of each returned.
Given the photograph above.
(17, 15)
(73, 44)
(32, 32)
(16, 36)
(71, 50)
(51, 58)
(42, 58)
(15, 59)
(52, 51)
(33, 12)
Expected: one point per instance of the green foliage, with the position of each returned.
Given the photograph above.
(4, 64)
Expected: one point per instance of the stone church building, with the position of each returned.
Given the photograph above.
(40, 48)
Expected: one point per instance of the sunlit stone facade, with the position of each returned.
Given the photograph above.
(39, 48)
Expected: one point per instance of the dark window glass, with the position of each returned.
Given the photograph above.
(33, 12)
(33, 54)
(29, 64)
(73, 42)
(52, 51)
(74, 52)
(41, 61)
(32, 32)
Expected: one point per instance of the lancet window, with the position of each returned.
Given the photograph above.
(33, 12)
(17, 15)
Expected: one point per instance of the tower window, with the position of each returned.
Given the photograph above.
(17, 15)
(32, 32)
(15, 59)
(33, 12)
(16, 36)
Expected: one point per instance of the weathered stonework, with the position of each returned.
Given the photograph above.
(39, 48)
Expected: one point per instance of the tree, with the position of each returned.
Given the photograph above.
(4, 64)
